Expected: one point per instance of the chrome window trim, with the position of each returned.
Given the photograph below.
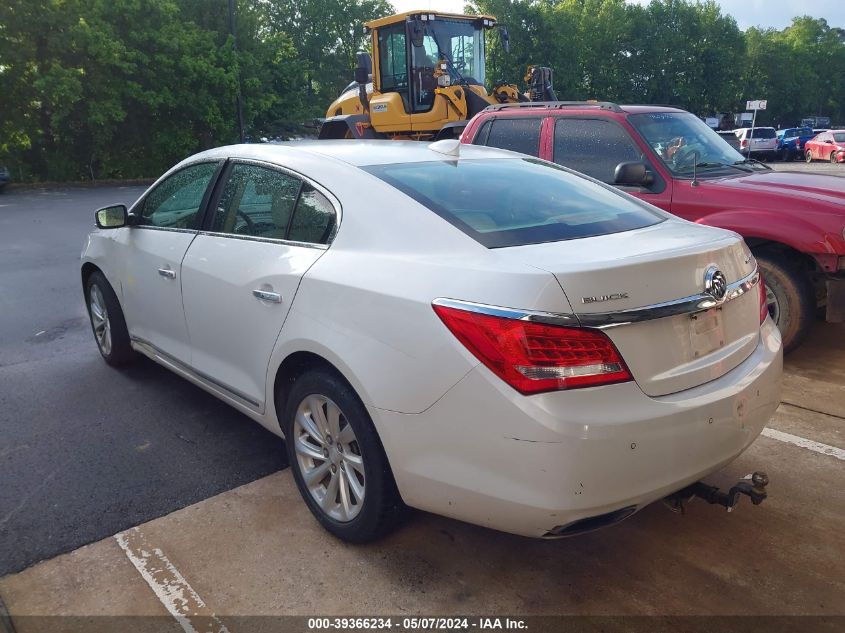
(601, 320)
(333, 200)
(270, 240)
(150, 227)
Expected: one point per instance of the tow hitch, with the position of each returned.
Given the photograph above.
(753, 485)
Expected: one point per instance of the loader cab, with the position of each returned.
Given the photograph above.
(415, 53)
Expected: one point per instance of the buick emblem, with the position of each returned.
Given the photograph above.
(715, 283)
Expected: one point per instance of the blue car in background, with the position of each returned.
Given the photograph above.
(791, 142)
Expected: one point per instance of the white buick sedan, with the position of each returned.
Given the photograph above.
(463, 330)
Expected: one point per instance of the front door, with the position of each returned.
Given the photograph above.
(164, 225)
(596, 146)
(239, 278)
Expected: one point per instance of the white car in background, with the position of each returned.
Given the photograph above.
(464, 330)
(758, 141)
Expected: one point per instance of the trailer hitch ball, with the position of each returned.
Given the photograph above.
(754, 486)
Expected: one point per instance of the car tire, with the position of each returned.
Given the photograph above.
(107, 321)
(833, 157)
(355, 454)
(808, 156)
(792, 303)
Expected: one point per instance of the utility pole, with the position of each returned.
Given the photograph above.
(237, 69)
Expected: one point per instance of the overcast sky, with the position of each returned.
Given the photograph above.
(766, 13)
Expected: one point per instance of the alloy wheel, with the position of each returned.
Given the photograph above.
(100, 319)
(773, 304)
(329, 457)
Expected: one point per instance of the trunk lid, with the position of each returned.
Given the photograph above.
(639, 269)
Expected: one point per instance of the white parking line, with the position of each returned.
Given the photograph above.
(803, 442)
(169, 586)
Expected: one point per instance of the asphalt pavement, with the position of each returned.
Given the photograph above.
(87, 450)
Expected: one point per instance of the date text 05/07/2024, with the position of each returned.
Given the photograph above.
(417, 624)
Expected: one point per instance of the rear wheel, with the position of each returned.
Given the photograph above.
(790, 297)
(337, 460)
(107, 321)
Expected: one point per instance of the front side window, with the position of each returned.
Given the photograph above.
(175, 202)
(256, 201)
(684, 143)
(512, 202)
(593, 147)
(517, 135)
(839, 137)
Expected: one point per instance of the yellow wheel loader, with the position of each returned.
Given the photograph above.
(425, 79)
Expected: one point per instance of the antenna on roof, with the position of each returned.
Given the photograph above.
(448, 146)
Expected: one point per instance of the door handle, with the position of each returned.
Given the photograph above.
(166, 272)
(263, 295)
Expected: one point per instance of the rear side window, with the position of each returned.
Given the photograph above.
(256, 201)
(517, 135)
(314, 218)
(763, 132)
(513, 202)
(593, 147)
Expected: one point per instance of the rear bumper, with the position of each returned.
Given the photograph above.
(527, 465)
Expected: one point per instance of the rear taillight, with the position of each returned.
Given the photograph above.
(533, 357)
(764, 303)
(743, 143)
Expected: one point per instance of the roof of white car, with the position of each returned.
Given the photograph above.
(353, 152)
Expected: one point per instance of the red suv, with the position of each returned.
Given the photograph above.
(794, 223)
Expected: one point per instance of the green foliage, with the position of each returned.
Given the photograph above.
(94, 89)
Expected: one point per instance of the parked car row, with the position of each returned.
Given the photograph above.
(541, 317)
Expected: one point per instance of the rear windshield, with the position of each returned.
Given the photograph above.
(513, 202)
(763, 132)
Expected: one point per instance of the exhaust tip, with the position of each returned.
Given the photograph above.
(591, 523)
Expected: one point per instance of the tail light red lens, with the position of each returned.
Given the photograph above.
(764, 304)
(533, 357)
(743, 143)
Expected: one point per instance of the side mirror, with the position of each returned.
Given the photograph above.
(112, 217)
(365, 67)
(505, 38)
(829, 142)
(633, 173)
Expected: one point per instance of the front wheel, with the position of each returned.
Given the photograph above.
(107, 321)
(833, 157)
(337, 460)
(790, 298)
(808, 156)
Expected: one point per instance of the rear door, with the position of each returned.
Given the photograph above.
(267, 228)
(164, 225)
(521, 134)
(596, 146)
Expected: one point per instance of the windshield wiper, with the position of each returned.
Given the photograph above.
(752, 162)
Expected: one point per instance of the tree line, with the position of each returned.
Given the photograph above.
(95, 89)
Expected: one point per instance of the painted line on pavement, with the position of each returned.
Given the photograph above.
(803, 442)
(169, 586)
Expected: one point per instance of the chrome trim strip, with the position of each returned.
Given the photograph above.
(151, 350)
(685, 305)
(270, 240)
(150, 227)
